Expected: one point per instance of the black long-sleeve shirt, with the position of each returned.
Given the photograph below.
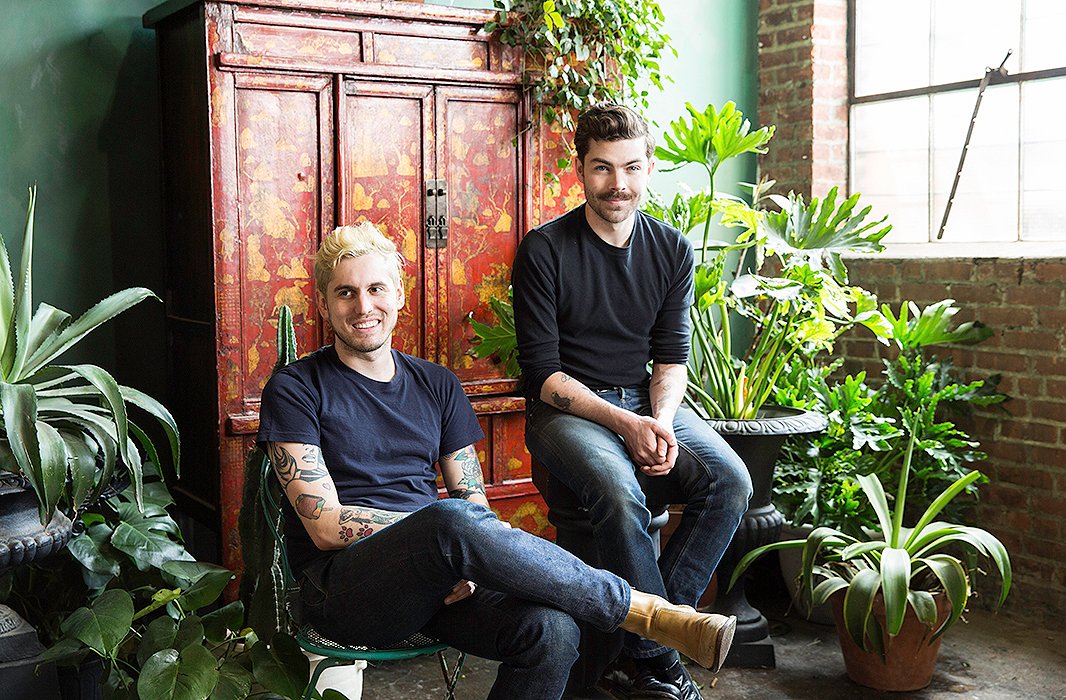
(597, 312)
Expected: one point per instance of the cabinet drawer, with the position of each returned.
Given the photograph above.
(438, 52)
(305, 42)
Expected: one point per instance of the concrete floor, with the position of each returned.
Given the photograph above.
(989, 657)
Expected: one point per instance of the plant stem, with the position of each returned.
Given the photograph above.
(901, 492)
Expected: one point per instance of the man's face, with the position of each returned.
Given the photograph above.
(615, 175)
(361, 302)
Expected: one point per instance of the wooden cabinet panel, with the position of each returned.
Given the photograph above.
(298, 41)
(384, 171)
(395, 49)
(481, 162)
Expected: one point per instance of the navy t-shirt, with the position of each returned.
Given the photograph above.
(596, 311)
(379, 440)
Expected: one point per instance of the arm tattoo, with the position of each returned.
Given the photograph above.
(471, 482)
(310, 468)
(310, 507)
(561, 401)
(357, 523)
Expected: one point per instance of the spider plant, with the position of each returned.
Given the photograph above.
(904, 566)
(66, 427)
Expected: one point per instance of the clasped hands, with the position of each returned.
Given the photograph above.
(650, 443)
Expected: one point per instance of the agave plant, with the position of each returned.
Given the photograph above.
(904, 566)
(66, 427)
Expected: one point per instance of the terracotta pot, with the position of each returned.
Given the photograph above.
(909, 656)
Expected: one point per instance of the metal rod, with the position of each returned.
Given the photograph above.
(969, 132)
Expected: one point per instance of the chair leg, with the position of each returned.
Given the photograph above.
(320, 667)
(451, 676)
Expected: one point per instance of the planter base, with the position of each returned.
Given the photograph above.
(909, 657)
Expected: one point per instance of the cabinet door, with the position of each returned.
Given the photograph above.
(386, 147)
(284, 199)
(482, 162)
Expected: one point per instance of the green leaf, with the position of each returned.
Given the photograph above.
(103, 625)
(19, 404)
(158, 635)
(219, 623)
(948, 570)
(19, 328)
(81, 453)
(879, 502)
(234, 682)
(188, 675)
(281, 667)
(205, 590)
(65, 651)
(146, 547)
(895, 585)
(87, 549)
(858, 605)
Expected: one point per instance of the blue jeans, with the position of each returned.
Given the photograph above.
(392, 584)
(592, 461)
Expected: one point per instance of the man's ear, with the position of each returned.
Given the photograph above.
(579, 168)
(401, 297)
(320, 302)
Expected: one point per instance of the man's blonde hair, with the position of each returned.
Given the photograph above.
(354, 242)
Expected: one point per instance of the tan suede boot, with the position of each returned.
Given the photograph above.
(703, 637)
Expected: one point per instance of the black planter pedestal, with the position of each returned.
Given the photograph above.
(23, 539)
(758, 442)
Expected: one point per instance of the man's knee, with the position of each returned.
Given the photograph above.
(545, 632)
(452, 515)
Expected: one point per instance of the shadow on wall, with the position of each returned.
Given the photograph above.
(79, 117)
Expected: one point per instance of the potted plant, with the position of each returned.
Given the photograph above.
(66, 427)
(896, 592)
(816, 484)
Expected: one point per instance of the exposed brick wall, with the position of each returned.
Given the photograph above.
(803, 84)
(803, 91)
(1024, 302)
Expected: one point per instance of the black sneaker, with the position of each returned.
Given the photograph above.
(672, 682)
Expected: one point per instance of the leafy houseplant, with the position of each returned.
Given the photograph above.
(66, 427)
(901, 568)
(576, 53)
(815, 481)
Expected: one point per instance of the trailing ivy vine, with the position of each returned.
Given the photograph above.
(577, 53)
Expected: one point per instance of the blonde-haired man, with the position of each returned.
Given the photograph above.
(353, 431)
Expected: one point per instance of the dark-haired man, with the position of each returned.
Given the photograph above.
(598, 294)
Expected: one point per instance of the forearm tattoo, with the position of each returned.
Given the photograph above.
(471, 481)
(564, 402)
(310, 468)
(357, 523)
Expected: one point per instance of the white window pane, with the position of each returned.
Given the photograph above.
(1043, 156)
(986, 204)
(970, 35)
(1042, 44)
(892, 45)
(890, 164)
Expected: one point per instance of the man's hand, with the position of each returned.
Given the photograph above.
(461, 590)
(650, 444)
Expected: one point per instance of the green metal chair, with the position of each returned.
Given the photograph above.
(339, 654)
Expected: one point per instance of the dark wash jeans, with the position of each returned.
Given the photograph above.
(392, 584)
(592, 461)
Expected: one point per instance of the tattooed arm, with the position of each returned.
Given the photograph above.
(310, 489)
(647, 441)
(666, 391)
(462, 475)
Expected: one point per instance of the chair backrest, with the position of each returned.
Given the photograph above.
(269, 496)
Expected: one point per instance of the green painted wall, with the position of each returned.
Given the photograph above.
(79, 117)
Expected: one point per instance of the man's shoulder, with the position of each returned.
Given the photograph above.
(658, 227)
(431, 371)
(563, 225)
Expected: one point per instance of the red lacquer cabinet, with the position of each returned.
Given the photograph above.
(285, 118)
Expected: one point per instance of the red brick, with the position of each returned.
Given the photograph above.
(1050, 365)
(1053, 271)
(1056, 551)
(1050, 506)
(948, 270)
(1051, 318)
(1046, 456)
(968, 293)
(1055, 388)
(984, 269)
(1048, 410)
(1006, 316)
(1005, 362)
(1048, 341)
(1026, 477)
(1008, 495)
(923, 293)
(1030, 431)
(1033, 296)
(911, 270)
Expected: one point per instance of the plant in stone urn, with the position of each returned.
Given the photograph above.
(898, 590)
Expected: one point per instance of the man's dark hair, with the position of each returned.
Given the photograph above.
(610, 122)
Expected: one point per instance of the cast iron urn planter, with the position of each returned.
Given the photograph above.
(758, 442)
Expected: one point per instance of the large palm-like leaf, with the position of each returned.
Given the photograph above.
(917, 328)
(66, 428)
